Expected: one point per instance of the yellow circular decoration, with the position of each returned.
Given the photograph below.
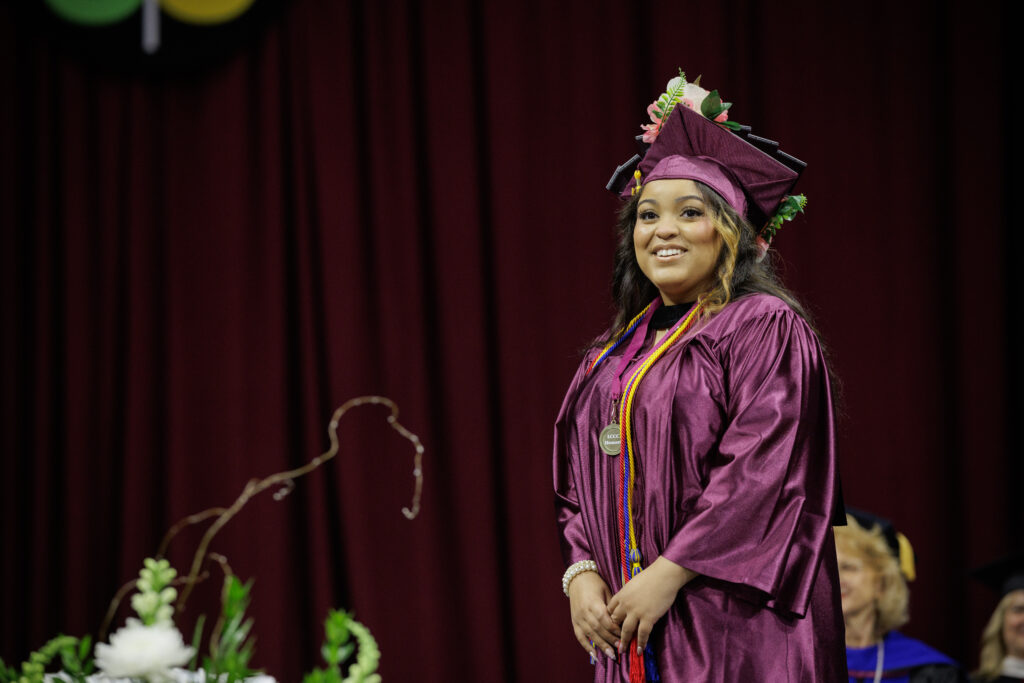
(205, 11)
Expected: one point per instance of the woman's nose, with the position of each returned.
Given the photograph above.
(666, 227)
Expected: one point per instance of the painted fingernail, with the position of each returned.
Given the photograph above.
(639, 650)
(610, 653)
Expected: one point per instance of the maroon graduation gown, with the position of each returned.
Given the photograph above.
(736, 480)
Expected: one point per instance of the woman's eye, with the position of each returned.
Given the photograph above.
(691, 212)
(646, 216)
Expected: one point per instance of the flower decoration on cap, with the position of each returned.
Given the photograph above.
(787, 211)
(692, 96)
(698, 141)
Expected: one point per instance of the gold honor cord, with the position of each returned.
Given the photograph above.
(631, 559)
(630, 551)
(610, 346)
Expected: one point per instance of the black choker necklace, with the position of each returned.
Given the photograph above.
(667, 316)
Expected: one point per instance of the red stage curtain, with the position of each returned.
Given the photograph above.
(406, 198)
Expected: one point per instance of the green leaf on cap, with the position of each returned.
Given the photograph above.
(712, 105)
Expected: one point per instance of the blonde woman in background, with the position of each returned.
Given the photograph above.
(874, 565)
(1002, 642)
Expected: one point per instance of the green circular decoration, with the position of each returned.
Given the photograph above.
(94, 12)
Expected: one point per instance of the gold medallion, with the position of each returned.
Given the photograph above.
(609, 440)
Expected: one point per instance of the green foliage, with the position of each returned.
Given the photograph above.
(74, 655)
(153, 601)
(7, 674)
(368, 659)
(712, 106)
(339, 629)
(77, 661)
(232, 643)
(232, 648)
(665, 103)
(197, 641)
(787, 211)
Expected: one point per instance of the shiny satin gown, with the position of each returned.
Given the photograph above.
(736, 480)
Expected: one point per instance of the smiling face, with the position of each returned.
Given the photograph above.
(676, 243)
(1013, 624)
(860, 586)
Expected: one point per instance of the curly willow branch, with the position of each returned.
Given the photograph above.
(219, 624)
(188, 521)
(254, 487)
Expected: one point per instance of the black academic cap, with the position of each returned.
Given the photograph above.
(869, 521)
(898, 544)
(1004, 576)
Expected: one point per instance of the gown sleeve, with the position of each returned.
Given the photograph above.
(765, 505)
(567, 508)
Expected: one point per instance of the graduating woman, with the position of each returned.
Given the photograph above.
(694, 465)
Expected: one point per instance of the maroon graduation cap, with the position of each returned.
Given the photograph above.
(751, 173)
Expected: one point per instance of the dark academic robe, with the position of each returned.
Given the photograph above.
(736, 480)
(905, 660)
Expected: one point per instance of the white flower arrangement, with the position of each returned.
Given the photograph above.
(173, 676)
(143, 651)
(150, 649)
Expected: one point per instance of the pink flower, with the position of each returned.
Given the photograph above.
(651, 111)
(650, 132)
(693, 99)
(762, 248)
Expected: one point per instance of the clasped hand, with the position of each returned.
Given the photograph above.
(611, 621)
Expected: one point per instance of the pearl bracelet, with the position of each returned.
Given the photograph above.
(574, 570)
